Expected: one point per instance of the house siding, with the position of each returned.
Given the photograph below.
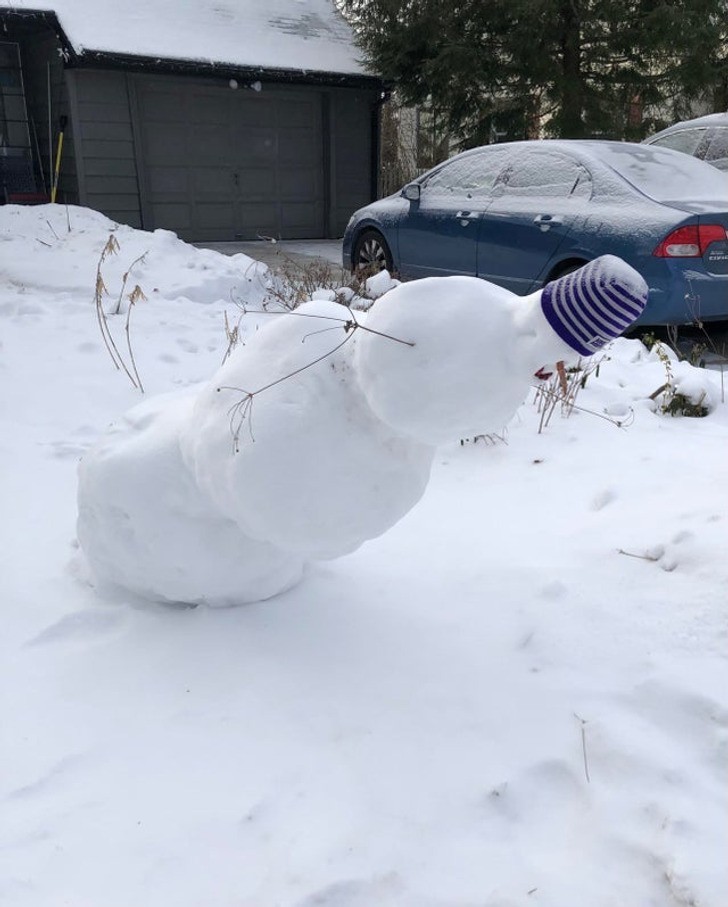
(352, 154)
(43, 68)
(105, 144)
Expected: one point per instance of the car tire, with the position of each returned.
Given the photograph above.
(371, 253)
(565, 269)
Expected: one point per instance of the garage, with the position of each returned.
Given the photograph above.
(221, 162)
(220, 123)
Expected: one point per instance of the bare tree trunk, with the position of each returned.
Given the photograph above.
(572, 87)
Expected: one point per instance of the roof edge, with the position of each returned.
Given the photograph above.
(45, 17)
(88, 58)
(141, 63)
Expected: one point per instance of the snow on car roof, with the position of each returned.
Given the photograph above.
(278, 34)
(659, 173)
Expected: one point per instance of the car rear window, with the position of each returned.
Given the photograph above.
(685, 140)
(666, 175)
(717, 153)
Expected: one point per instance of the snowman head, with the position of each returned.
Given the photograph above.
(595, 304)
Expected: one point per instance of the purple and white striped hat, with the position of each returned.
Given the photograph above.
(595, 304)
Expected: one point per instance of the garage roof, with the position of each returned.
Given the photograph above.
(303, 35)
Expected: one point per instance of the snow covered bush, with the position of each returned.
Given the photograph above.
(292, 283)
(686, 390)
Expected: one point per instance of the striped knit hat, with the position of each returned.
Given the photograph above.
(595, 304)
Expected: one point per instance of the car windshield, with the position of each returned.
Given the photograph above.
(666, 175)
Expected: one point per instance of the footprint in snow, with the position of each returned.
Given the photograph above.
(601, 500)
(692, 720)
(59, 773)
(63, 450)
(554, 590)
(549, 792)
(384, 891)
(187, 345)
(79, 626)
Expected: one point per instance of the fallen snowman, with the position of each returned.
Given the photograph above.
(320, 432)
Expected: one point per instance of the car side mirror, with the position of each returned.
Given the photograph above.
(412, 192)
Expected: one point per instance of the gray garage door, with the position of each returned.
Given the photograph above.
(224, 164)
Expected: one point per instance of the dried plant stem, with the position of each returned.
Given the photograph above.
(563, 389)
(111, 248)
(563, 381)
(125, 278)
(134, 296)
(583, 724)
(642, 557)
(242, 410)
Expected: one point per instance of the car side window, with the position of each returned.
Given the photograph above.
(472, 176)
(685, 140)
(717, 151)
(551, 175)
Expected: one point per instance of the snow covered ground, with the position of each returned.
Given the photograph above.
(515, 697)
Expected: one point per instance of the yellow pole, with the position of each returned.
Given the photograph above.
(57, 171)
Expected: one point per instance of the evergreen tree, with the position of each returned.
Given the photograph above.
(574, 68)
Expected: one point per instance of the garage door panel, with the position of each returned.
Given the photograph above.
(299, 147)
(172, 216)
(257, 183)
(251, 111)
(260, 146)
(213, 181)
(220, 216)
(295, 218)
(208, 145)
(168, 179)
(167, 146)
(163, 107)
(208, 108)
(259, 218)
(231, 164)
(297, 184)
(297, 113)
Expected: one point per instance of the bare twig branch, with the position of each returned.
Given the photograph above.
(125, 278)
(583, 746)
(642, 557)
(111, 248)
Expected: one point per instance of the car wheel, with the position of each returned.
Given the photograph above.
(567, 268)
(371, 253)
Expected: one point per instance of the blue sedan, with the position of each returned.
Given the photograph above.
(523, 213)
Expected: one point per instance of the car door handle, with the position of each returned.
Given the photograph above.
(547, 219)
(465, 216)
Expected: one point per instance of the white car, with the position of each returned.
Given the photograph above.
(705, 137)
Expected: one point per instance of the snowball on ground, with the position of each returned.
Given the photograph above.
(470, 351)
(315, 471)
(144, 525)
(379, 284)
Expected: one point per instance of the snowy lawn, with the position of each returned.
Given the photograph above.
(515, 697)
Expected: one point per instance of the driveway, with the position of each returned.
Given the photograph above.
(274, 253)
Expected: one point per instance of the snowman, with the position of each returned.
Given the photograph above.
(320, 432)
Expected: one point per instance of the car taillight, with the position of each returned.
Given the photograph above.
(691, 241)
